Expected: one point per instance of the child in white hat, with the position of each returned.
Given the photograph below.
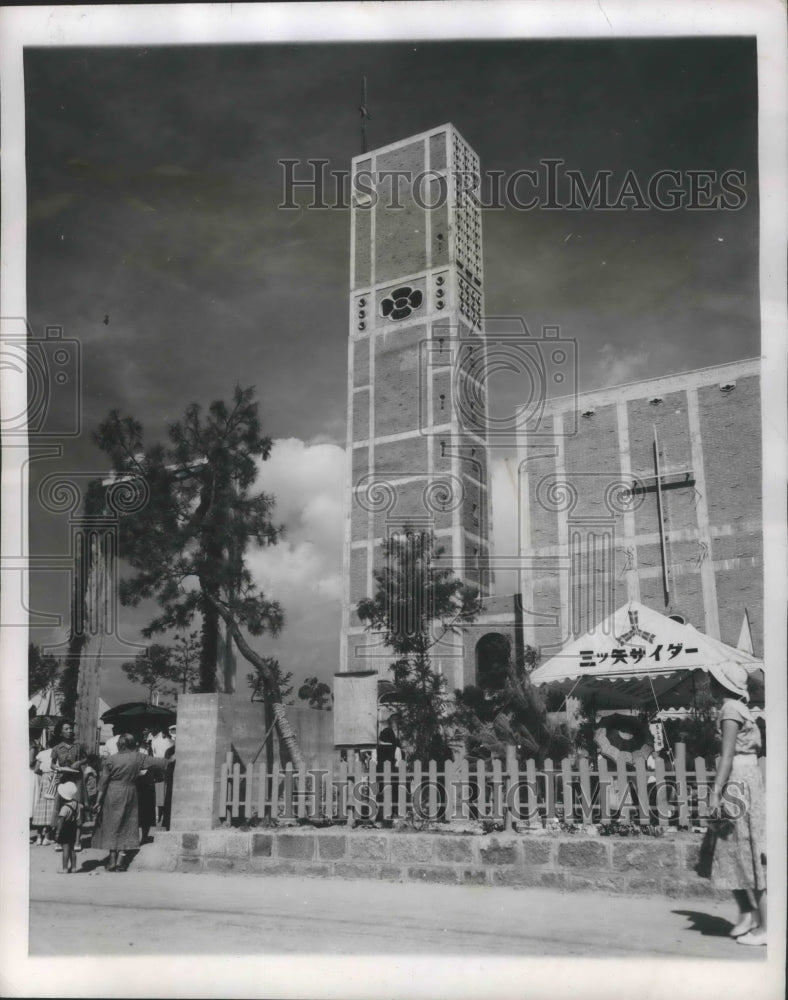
(69, 820)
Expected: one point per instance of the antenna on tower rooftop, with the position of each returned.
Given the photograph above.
(365, 115)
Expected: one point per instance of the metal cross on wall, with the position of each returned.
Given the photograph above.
(658, 481)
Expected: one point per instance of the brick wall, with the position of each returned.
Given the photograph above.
(441, 386)
(358, 576)
(360, 463)
(359, 522)
(731, 428)
(738, 588)
(671, 421)
(361, 362)
(361, 415)
(728, 455)
(362, 218)
(397, 379)
(403, 458)
(547, 636)
(400, 246)
(544, 520)
(438, 151)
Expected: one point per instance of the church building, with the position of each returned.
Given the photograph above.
(649, 491)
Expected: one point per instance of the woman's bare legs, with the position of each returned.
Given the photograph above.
(748, 917)
(758, 935)
(760, 902)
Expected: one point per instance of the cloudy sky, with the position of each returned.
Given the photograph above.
(155, 241)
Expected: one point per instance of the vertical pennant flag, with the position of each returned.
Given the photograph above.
(745, 635)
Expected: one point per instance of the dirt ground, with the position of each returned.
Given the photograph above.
(94, 912)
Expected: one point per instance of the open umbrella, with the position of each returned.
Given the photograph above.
(138, 715)
(638, 657)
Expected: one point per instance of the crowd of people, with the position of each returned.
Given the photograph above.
(117, 795)
(128, 789)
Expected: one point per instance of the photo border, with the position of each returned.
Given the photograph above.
(410, 976)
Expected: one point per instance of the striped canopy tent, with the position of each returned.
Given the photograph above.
(44, 701)
(43, 714)
(639, 658)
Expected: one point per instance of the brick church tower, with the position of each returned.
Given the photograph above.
(416, 444)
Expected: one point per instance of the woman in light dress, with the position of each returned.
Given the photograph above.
(737, 799)
(44, 798)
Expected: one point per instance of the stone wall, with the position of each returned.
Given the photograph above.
(637, 866)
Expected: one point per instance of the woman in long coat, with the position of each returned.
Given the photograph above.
(117, 821)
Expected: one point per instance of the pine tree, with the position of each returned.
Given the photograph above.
(200, 518)
(417, 604)
(317, 694)
(42, 669)
(153, 668)
(260, 680)
(185, 657)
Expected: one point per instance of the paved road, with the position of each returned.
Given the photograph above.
(159, 913)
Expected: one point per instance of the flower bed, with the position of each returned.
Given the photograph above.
(614, 828)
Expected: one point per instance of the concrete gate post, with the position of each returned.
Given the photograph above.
(209, 725)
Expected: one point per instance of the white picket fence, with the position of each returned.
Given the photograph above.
(500, 792)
